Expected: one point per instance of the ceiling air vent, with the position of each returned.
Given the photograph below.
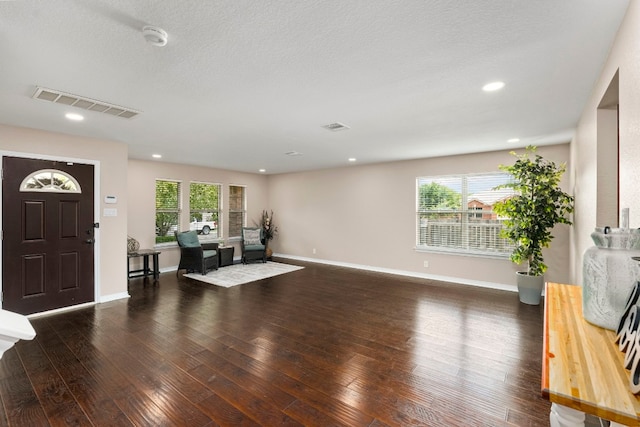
(85, 103)
(335, 127)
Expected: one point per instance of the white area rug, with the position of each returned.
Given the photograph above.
(237, 274)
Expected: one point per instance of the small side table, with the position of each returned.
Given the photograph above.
(225, 255)
(146, 269)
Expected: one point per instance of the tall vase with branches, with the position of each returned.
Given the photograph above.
(269, 229)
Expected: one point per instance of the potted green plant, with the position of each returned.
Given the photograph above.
(530, 215)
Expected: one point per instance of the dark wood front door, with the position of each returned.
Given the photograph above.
(48, 235)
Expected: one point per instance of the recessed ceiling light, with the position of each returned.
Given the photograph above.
(262, 170)
(352, 159)
(513, 140)
(490, 87)
(156, 156)
(75, 117)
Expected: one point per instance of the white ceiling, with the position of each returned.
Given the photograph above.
(242, 82)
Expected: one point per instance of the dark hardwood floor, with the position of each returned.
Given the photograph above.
(320, 346)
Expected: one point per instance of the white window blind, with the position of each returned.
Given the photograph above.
(167, 210)
(455, 214)
(237, 210)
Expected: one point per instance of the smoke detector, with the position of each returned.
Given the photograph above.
(155, 35)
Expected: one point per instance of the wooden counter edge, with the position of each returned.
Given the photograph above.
(545, 348)
(568, 401)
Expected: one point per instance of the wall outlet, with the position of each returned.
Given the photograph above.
(426, 264)
(314, 251)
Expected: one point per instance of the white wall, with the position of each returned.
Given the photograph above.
(366, 215)
(112, 158)
(625, 58)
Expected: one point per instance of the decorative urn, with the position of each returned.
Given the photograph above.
(609, 274)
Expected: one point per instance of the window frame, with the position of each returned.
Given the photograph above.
(51, 187)
(467, 217)
(217, 211)
(232, 211)
(168, 239)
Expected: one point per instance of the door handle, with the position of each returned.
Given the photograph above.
(90, 241)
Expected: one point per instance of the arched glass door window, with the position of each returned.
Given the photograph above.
(50, 181)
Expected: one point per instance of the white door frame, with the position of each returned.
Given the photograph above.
(96, 209)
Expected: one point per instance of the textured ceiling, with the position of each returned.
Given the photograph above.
(242, 82)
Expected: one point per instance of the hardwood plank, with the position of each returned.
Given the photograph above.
(257, 409)
(326, 346)
(147, 372)
(20, 404)
(221, 367)
(304, 385)
(309, 416)
(92, 398)
(137, 407)
(55, 397)
(224, 413)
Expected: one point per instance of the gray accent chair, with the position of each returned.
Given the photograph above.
(253, 245)
(194, 256)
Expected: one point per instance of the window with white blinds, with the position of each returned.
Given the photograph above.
(204, 209)
(455, 214)
(237, 210)
(167, 210)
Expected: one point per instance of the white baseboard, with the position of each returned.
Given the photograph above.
(100, 300)
(477, 283)
(113, 297)
(61, 310)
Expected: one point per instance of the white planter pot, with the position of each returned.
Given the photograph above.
(529, 288)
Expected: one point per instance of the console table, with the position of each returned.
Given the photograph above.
(582, 368)
(145, 270)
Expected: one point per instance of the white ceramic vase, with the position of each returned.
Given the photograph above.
(608, 275)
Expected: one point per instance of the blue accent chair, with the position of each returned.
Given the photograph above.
(253, 245)
(194, 256)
